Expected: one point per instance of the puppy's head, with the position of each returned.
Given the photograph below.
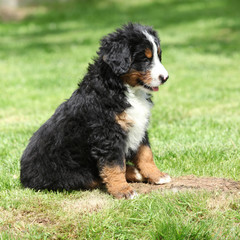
(134, 54)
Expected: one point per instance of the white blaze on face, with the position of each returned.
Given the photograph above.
(157, 68)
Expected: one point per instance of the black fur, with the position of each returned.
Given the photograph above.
(70, 149)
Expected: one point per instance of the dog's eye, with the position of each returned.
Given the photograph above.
(159, 51)
(160, 56)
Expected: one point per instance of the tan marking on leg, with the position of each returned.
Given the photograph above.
(123, 120)
(133, 175)
(115, 180)
(144, 162)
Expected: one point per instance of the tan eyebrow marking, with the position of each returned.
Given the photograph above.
(148, 52)
(158, 50)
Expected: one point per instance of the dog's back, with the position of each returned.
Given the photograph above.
(56, 156)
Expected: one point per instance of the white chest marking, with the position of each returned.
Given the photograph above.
(139, 113)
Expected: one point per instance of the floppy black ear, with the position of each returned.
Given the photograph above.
(117, 56)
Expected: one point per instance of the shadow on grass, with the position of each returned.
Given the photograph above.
(91, 16)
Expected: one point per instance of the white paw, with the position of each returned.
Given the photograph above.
(138, 175)
(134, 195)
(165, 179)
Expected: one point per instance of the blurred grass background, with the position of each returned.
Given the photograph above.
(195, 127)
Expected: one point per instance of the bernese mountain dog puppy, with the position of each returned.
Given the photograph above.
(99, 135)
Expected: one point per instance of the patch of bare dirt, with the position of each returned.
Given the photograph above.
(191, 182)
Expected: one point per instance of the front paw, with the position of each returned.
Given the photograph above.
(133, 174)
(163, 179)
(159, 178)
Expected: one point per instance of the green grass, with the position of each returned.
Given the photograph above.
(194, 128)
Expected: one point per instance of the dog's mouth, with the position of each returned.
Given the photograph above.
(154, 89)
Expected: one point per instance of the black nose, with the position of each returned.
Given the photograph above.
(163, 79)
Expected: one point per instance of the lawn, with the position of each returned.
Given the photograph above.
(195, 124)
